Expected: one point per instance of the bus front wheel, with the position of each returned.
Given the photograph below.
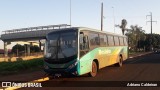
(93, 73)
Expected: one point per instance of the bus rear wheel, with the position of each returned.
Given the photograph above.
(94, 71)
(120, 63)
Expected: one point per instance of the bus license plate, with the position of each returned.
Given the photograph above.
(58, 74)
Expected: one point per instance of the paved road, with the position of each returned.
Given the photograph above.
(143, 68)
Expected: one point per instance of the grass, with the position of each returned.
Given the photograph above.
(20, 66)
(132, 52)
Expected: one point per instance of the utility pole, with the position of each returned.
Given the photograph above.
(102, 16)
(151, 21)
(17, 51)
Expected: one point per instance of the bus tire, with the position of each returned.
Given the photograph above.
(94, 71)
(120, 63)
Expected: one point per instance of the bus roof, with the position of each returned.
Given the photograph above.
(89, 29)
(96, 30)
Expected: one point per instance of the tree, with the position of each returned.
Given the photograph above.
(35, 48)
(20, 49)
(17, 48)
(136, 37)
(123, 26)
(152, 40)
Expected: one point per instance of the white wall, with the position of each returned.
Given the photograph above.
(8, 46)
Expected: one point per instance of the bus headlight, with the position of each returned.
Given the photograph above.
(73, 65)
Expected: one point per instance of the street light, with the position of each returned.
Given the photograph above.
(113, 19)
(102, 16)
(70, 12)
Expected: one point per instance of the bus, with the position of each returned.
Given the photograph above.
(79, 50)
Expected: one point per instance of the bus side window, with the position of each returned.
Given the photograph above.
(116, 40)
(110, 40)
(107, 43)
(81, 41)
(125, 41)
(103, 40)
(84, 44)
(121, 41)
(94, 40)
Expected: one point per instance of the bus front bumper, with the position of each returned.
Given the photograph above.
(61, 71)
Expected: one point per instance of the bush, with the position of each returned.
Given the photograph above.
(10, 67)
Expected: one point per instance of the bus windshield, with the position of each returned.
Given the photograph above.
(61, 47)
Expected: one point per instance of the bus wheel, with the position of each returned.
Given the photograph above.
(120, 61)
(93, 73)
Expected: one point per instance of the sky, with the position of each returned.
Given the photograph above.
(16, 14)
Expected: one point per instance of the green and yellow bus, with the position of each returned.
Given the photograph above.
(80, 50)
